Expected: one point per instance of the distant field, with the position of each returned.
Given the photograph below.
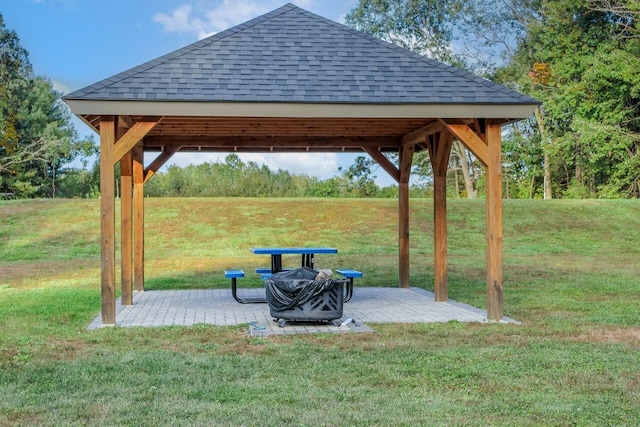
(572, 276)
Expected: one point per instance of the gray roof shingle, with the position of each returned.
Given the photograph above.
(292, 55)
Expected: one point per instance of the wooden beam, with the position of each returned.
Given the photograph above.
(138, 217)
(270, 141)
(420, 135)
(406, 159)
(107, 223)
(439, 155)
(384, 163)
(159, 162)
(469, 138)
(126, 122)
(131, 138)
(126, 231)
(494, 222)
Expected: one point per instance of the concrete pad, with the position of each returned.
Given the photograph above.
(217, 307)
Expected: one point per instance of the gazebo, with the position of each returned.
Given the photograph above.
(291, 81)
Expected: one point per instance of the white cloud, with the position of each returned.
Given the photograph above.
(177, 21)
(322, 165)
(60, 87)
(205, 21)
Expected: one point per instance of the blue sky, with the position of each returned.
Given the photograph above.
(78, 42)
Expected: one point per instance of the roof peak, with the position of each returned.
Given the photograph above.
(292, 55)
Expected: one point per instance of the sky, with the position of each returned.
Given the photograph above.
(76, 43)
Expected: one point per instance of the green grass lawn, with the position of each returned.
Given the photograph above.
(572, 277)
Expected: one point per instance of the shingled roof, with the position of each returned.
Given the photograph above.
(291, 55)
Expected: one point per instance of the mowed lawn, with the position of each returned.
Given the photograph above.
(572, 277)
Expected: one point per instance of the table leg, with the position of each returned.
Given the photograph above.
(276, 263)
(307, 260)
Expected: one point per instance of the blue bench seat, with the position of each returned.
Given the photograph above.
(233, 274)
(349, 274)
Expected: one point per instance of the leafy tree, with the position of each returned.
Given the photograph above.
(424, 26)
(574, 59)
(36, 134)
(361, 177)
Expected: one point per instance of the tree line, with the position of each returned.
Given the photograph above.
(581, 58)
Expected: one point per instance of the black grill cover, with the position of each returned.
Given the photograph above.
(293, 288)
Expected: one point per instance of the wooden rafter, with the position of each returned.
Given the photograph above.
(469, 138)
(131, 138)
(420, 135)
(159, 162)
(125, 122)
(384, 163)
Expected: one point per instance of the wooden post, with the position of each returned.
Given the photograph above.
(494, 222)
(107, 221)
(126, 231)
(138, 214)
(439, 153)
(403, 234)
(406, 158)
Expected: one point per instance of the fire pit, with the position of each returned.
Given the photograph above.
(299, 295)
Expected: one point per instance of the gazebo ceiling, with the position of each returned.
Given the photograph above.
(257, 134)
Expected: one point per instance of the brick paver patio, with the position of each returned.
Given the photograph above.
(217, 307)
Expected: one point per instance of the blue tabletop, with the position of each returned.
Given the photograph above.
(283, 251)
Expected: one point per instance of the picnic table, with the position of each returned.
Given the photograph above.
(307, 255)
(307, 260)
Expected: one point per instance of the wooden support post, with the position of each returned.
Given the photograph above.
(406, 159)
(403, 233)
(494, 222)
(439, 153)
(126, 230)
(138, 217)
(107, 221)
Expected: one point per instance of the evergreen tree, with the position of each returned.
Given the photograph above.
(36, 135)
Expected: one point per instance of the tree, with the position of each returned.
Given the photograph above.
(575, 60)
(426, 27)
(36, 134)
(423, 26)
(362, 177)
